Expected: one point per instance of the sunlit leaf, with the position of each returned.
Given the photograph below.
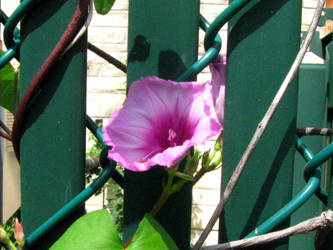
(8, 93)
(151, 235)
(103, 6)
(95, 230)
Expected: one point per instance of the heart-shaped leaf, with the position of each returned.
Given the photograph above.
(151, 235)
(103, 6)
(95, 230)
(8, 90)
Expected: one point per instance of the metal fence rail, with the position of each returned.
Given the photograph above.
(312, 171)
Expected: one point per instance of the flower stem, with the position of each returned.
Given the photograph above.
(160, 203)
(167, 190)
(199, 174)
(12, 245)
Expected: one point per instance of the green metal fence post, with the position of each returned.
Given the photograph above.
(163, 40)
(53, 142)
(263, 42)
(328, 241)
(311, 113)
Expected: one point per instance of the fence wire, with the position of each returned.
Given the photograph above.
(212, 44)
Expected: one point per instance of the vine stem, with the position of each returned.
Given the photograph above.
(74, 25)
(6, 136)
(4, 127)
(202, 171)
(324, 221)
(12, 245)
(262, 126)
(167, 191)
(159, 204)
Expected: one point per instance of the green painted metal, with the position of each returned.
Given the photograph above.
(13, 50)
(234, 7)
(263, 42)
(58, 217)
(300, 198)
(311, 113)
(212, 41)
(53, 142)
(329, 180)
(163, 40)
(73, 205)
(207, 58)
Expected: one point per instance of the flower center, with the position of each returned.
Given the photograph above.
(172, 135)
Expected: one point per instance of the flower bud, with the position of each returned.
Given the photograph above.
(18, 232)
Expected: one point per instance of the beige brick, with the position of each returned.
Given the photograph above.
(95, 200)
(210, 180)
(312, 58)
(115, 85)
(307, 15)
(100, 68)
(114, 19)
(102, 105)
(202, 196)
(212, 238)
(310, 3)
(120, 56)
(9, 6)
(201, 215)
(225, 2)
(107, 35)
(210, 12)
(120, 5)
(204, 77)
(111, 47)
(97, 66)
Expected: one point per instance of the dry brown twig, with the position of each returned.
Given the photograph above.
(262, 126)
(325, 220)
(314, 131)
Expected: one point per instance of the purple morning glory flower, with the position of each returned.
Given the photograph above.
(159, 121)
(218, 69)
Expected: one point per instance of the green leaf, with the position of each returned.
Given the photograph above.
(103, 6)
(151, 235)
(8, 94)
(95, 230)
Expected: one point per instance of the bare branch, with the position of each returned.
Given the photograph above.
(5, 128)
(6, 136)
(314, 131)
(323, 221)
(262, 126)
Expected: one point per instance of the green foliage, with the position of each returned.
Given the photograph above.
(103, 6)
(94, 230)
(115, 201)
(97, 230)
(95, 151)
(114, 193)
(8, 91)
(151, 235)
(9, 225)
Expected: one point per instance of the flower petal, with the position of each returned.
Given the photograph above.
(160, 120)
(218, 70)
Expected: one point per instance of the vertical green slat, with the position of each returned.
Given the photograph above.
(163, 40)
(329, 180)
(53, 143)
(310, 113)
(263, 42)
